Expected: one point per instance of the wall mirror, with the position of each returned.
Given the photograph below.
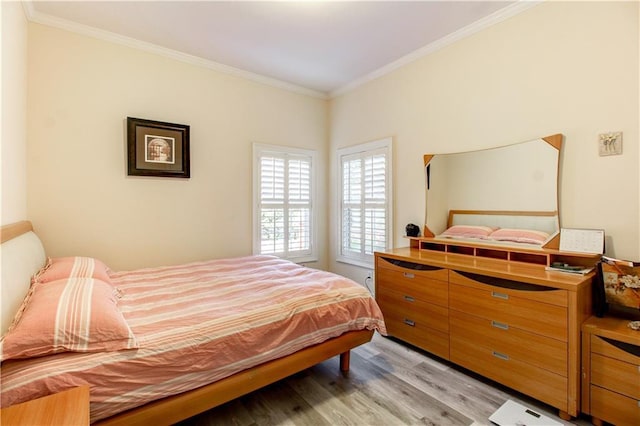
(514, 186)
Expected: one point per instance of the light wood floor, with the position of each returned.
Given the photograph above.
(389, 383)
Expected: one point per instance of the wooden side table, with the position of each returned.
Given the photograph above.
(70, 407)
(611, 371)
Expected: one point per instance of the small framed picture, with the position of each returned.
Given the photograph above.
(156, 148)
(610, 143)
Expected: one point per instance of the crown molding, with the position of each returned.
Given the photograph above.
(486, 22)
(45, 19)
(495, 18)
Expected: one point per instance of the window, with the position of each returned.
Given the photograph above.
(365, 198)
(283, 190)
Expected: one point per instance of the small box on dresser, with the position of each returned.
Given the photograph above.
(611, 371)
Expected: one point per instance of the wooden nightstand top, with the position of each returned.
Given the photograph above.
(70, 407)
(612, 328)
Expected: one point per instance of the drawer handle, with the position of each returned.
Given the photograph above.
(501, 356)
(409, 322)
(408, 275)
(409, 298)
(500, 325)
(500, 295)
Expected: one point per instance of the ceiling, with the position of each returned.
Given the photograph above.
(322, 48)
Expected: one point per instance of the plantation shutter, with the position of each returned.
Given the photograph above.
(364, 204)
(285, 204)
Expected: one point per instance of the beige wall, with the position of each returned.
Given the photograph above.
(80, 199)
(14, 113)
(565, 67)
(550, 69)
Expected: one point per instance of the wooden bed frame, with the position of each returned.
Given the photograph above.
(182, 406)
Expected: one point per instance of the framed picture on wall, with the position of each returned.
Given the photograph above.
(156, 148)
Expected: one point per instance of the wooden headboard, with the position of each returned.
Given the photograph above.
(22, 256)
(13, 230)
(537, 220)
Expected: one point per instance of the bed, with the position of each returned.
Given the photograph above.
(173, 341)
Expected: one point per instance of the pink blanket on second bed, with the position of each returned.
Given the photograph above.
(198, 323)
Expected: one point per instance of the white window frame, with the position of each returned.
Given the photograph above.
(364, 150)
(260, 150)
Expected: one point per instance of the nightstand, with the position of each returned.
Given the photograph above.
(70, 407)
(611, 371)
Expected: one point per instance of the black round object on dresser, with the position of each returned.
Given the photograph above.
(412, 230)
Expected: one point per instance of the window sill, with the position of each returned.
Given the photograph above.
(355, 262)
(302, 259)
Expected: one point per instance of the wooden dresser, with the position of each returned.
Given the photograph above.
(509, 320)
(611, 371)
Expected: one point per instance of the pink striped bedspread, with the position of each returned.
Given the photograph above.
(198, 323)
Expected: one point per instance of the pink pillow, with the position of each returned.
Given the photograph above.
(520, 236)
(66, 267)
(468, 231)
(71, 315)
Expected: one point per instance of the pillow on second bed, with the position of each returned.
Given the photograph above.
(69, 315)
(468, 231)
(76, 266)
(520, 236)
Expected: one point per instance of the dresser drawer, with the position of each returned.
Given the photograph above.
(493, 303)
(511, 288)
(614, 408)
(416, 331)
(429, 285)
(534, 349)
(417, 313)
(537, 382)
(623, 351)
(615, 375)
(414, 286)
